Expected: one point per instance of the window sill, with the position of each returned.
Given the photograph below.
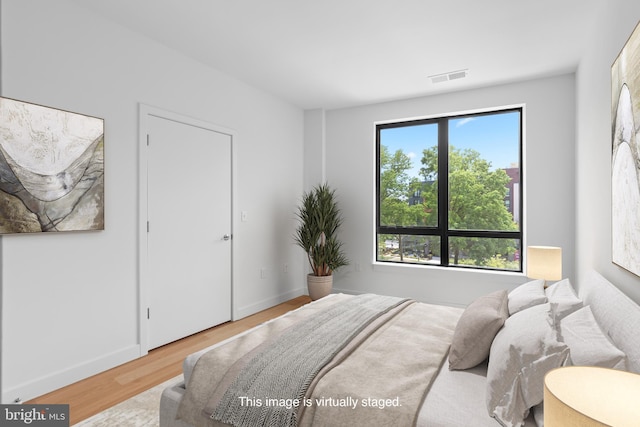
(387, 267)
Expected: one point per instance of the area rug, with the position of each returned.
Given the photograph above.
(141, 410)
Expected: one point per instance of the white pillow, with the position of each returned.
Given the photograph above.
(538, 414)
(588, 344)
(526, 295)
(563, 299)
(524, 350)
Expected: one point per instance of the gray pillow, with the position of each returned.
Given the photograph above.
(563, 298)
(526, 295)
(588, 344)
(524, 350)
(475, 330)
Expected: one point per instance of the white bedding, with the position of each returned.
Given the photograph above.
(457, 398)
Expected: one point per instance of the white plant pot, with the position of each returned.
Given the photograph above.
(319, 286)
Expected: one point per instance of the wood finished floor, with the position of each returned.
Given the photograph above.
(99, 392)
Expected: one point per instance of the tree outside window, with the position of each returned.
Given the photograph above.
(479, 191)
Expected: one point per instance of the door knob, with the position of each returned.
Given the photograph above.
(226, 237)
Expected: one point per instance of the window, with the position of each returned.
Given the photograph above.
(449, 191)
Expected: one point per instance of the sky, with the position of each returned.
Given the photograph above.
(495, 136)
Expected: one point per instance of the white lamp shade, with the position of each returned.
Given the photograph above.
(544, 262)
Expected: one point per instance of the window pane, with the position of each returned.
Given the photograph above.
(408, 176)
(484, 172)
(501, 254)
(409, 249)
(478, 199)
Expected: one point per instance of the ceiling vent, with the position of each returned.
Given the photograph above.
(445, 77)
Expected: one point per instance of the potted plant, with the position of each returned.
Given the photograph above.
(319, 221)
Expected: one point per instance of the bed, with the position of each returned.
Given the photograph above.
(410, 363)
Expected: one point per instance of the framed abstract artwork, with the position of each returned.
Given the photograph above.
(51, 169)
(625, 155)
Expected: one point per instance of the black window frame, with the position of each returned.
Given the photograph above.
(442, 230)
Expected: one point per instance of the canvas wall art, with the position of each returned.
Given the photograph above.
(51, 169)
(625, 155)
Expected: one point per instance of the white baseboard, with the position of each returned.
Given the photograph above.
(240, 312)
(45, 384)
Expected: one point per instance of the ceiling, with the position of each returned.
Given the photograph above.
(339, 53)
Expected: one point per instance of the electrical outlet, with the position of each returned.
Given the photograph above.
(243, 216)
(263, 273)
(285, 268)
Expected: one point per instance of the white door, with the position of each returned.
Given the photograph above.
(189, 228)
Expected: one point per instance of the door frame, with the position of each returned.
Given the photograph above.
(144, 113)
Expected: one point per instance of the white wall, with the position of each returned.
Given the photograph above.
(614, 25)
(314, 148)
(70, 301)
(549, 181)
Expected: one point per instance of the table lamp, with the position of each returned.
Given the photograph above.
(544, 262)
(588, 396)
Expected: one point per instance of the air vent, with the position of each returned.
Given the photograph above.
(451, 75)
(439, 79)
(458, 75)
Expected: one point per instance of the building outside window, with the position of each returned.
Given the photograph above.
(449, 191)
